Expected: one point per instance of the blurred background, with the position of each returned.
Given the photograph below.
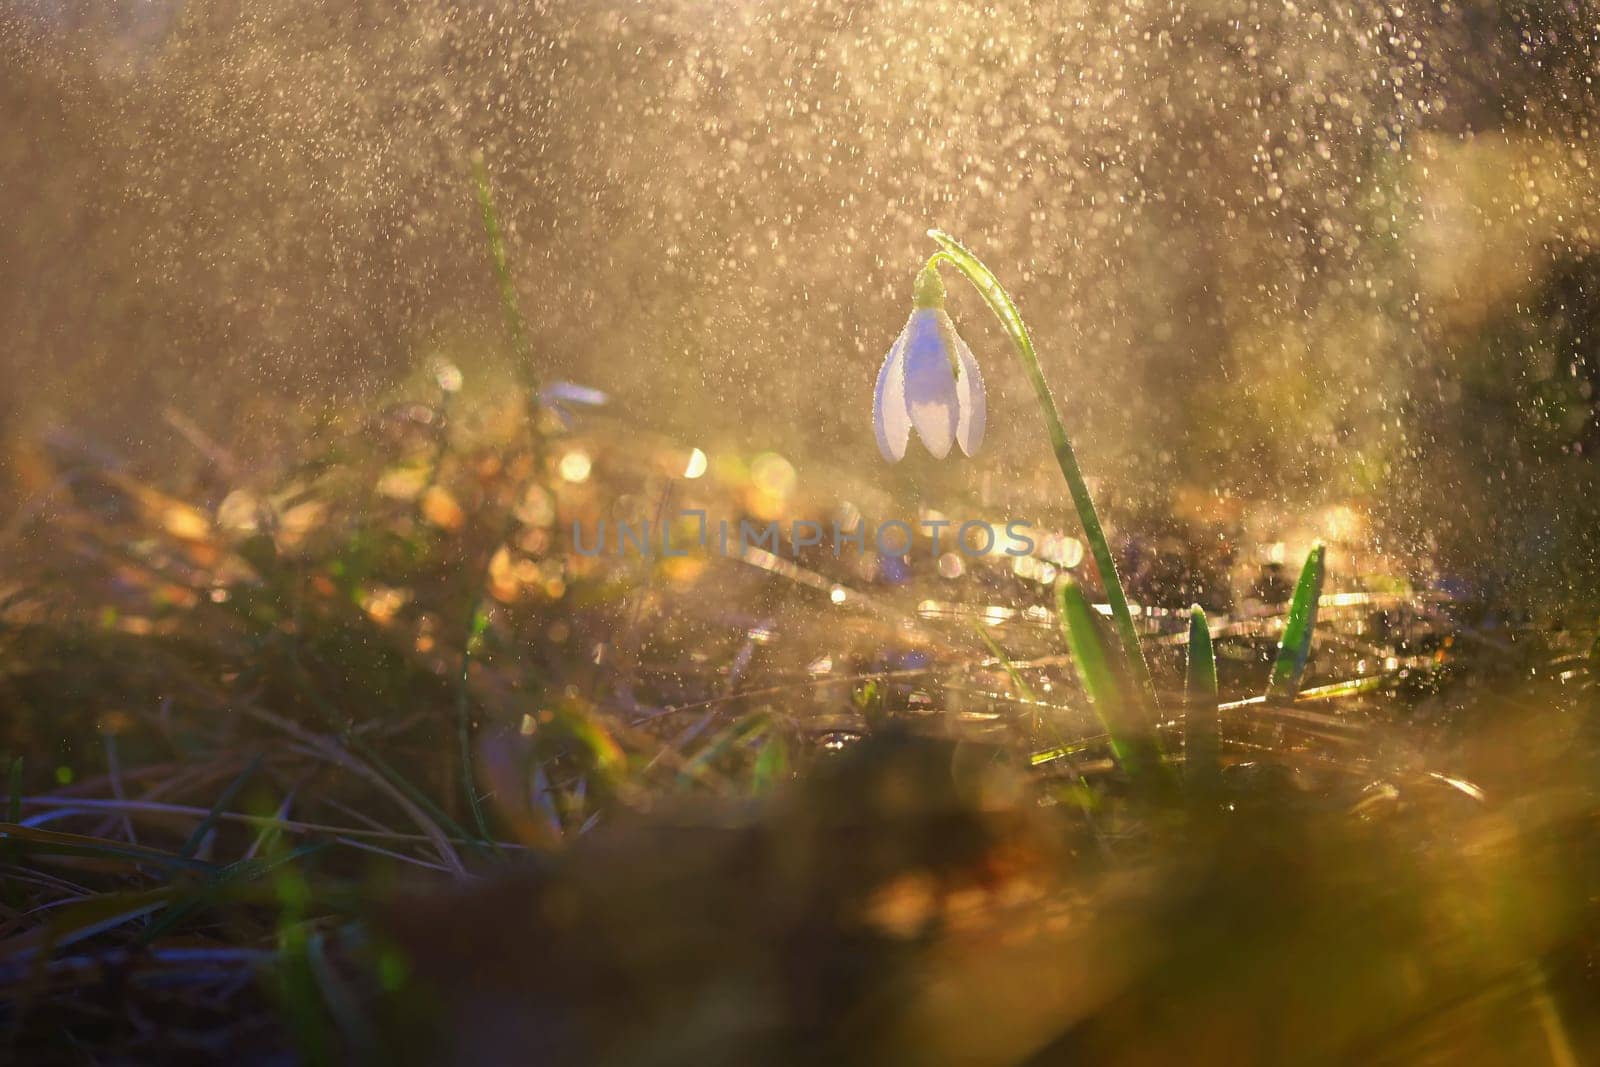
(1277, 256)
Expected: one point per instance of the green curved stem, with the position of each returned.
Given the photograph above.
(988, 286)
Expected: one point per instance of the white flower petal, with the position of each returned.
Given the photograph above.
(971, 401)
(890, 419)
(930, 380)
(572, 393)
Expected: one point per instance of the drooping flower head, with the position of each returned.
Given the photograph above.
(929, 382)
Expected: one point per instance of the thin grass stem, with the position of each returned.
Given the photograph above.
(994, 294)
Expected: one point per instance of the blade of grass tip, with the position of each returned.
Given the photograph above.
(192, 845)
(298, 994)
(341, 1001)
(83, 933)
(1133, 742)
(272, 826)
(697, 767)
(114, 772)
(476, 627)
(1062, 750)
(1201, 743)
(234, 874)
(772, 766)
(1023, 688)
(1000, 302)
(1295, 647)
(32, 839)
(502, 272)
(80, 919)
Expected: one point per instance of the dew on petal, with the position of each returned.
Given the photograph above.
(930, 383)
(890, 419)
(971, 400)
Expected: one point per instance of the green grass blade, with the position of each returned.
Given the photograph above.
(342, 1002)
(84, 918)
(502, 273)
(224, 879)
(1060, 752)
(1295, 647)
(1024, 690)
(476, 626)
(31, 839)
(1000, 302)
(772, 765)
(740, 731)
(1133, 740)
(1350, 687)
(192, 845)
(1201, 744)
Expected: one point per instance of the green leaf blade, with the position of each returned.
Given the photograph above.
(1295, 647)
(1202, 744)
(1133, 740)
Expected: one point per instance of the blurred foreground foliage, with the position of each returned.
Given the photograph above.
(736, 809)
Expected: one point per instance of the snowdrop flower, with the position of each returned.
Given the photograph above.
(557, 396)
(929, 382)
